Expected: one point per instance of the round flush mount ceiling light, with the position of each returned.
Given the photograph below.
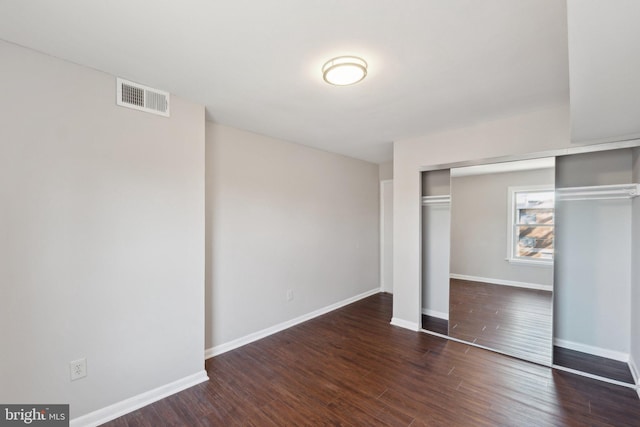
(344, 70)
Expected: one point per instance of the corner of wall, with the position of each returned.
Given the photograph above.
(385, 171)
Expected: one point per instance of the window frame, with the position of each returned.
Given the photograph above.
(512, 240)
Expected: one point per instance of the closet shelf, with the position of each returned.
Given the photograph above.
(598, 192)
(436, 200)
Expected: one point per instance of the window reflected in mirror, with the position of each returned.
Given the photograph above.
(502, 250)
(532, 223)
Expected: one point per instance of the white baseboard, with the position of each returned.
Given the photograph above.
(385, 291)
(502, 282)
(434, 313)
(405, 324)
(123, 407)
(239, 342)
(596, 351)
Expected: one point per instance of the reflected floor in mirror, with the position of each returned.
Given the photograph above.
(515, 321)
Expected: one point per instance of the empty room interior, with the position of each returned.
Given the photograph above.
(288, 212)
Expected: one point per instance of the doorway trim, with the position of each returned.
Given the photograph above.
(383, 286)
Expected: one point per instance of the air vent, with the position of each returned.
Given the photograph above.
(143, 98)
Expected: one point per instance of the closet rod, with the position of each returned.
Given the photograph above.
(598, 192)
(436, 200)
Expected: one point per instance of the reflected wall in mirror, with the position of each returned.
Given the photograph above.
(501, 258)
(435, 250)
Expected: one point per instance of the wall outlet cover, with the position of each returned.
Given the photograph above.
(78, 369)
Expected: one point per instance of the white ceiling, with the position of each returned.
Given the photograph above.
(255, 64)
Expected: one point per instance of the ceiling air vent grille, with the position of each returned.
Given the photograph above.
(143, 98)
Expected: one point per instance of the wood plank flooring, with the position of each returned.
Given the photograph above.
(516, 321)
(435, 324)
(351, 367)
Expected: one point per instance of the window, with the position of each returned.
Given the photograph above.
(531, 229)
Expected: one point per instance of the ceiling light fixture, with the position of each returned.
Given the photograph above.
(344, 70)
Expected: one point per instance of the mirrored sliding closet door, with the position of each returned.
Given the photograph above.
(489, 281)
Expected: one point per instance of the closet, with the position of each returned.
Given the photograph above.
(539, 258)
(435, 250)
(595, 210)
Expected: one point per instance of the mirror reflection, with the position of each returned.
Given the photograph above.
(501, 266)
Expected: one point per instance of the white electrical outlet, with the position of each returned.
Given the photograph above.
(290, 295)
(78, 369)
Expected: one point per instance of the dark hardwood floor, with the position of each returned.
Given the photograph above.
(435, 324)
(351, 367)
(516, 321)
(595, 365)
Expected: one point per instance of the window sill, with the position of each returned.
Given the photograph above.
(530, 263)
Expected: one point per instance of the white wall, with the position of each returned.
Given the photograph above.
(599, 168)
(604, 69)
(592, 274)
(436, 183)
(529, 132)
(281, 216)
(101, 237)
(593, 256)
(385, 171)
(435, 260)
(635, 265)
(480, 217)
